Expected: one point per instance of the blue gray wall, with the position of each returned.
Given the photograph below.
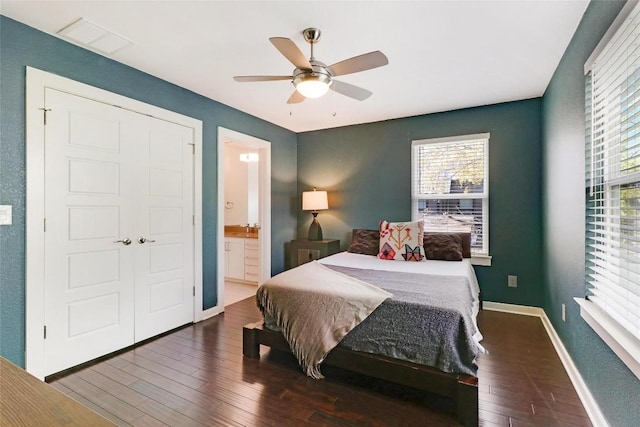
(367, 171)
(22, 46)
(615, 388)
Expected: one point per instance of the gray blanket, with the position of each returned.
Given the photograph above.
(315, 307)
(429, 320)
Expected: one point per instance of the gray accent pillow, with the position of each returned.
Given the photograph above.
(466, 241)
(441, 246)
(365, 242)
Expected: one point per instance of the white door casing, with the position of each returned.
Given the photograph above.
(91, 220)
(264, 207)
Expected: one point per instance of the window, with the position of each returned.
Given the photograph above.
(450, 187)
(612, 153)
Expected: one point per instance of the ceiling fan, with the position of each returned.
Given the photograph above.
(313, 78)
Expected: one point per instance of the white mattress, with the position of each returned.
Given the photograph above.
(437, 268)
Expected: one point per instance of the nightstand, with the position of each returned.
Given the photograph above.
(304, 250)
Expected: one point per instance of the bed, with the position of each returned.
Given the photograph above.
(417, 328)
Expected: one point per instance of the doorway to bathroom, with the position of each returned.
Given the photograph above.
(244, 215)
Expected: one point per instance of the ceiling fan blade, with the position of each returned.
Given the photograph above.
(359, 63)
(350, 90)
(295, 98)
(291, 52)
(260, 78)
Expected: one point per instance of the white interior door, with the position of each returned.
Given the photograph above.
(89, 278)
(164, 229)
(119, 240)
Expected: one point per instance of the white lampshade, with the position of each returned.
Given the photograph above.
(314, 200)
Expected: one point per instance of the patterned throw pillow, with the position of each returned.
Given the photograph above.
(401, 241)
(365, 242)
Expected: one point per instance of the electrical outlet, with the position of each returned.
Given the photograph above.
(512, 281)
(564, 313)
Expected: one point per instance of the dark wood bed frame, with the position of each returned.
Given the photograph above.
(461, 389)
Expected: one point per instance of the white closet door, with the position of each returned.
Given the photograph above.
(89, 278)
(164, 267)
(112, 175)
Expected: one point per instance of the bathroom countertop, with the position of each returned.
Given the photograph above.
(241, 234)
(241, 231)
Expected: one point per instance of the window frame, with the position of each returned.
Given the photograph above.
(618, 337)
(477, 258)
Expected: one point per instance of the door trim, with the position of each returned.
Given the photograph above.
(36, 82)
(264, 203)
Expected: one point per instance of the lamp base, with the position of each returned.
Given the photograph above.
(315, 231)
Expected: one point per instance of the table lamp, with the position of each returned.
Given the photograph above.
(314, 201)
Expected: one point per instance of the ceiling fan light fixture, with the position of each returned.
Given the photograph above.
(312, 78)
(312, 85)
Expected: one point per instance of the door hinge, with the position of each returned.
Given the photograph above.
(45, 114)
(45, 332)
(193, 220)
(44, 221)
(194, 291)
(193, 148)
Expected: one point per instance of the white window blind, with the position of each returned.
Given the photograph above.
(613, 177)
(450, 186)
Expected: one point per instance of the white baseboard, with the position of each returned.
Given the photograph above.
(589, 403)
(512, 308)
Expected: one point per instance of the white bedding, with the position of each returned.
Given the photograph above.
(437, 268)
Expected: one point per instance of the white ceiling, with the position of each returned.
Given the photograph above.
(443, 55)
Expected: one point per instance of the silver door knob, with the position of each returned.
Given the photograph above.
(142, 240)
(125, 241)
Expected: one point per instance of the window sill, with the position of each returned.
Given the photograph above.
(484, 260)
(623, 344)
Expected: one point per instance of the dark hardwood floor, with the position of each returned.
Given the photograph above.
(198, 376)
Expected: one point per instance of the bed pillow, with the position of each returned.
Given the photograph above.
(401, 241)
(466, 240)
(365, 242)
(443, 246)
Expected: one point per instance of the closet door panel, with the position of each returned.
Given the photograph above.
(89, 277)
(164, 270)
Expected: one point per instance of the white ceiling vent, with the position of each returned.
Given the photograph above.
(88, 34)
